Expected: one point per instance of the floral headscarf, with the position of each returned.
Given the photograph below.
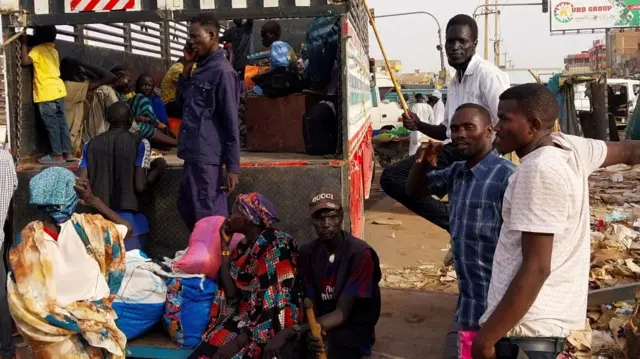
(258, 209)
(52, 191)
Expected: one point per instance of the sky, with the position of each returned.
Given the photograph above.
(525, 34)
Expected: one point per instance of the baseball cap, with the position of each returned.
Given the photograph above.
(437, 94)
(325, 199)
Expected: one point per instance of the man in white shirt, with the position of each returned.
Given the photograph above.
(425, 113)
(438, 106)
(477, 81)
(539, 283)
(8, 184)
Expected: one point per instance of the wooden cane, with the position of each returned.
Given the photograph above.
(313, 325)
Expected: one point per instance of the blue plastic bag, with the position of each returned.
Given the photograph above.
(186, 315)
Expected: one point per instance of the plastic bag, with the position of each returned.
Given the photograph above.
(141, 300)
(203, 254)
(466, 340)
(250, 71)
(187, 308)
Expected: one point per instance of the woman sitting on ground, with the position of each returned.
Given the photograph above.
(67, 268)
(257, 285)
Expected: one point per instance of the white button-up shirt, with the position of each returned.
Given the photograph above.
(482, 84)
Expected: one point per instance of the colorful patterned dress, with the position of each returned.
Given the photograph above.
(265, 275)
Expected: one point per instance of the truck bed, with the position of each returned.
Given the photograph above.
(247, 159)
(156, 345)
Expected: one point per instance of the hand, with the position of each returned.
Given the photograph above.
(428, 152)
(480, 349)
(411, 121)
(159, 164)
(190, 57)
(188, 68)
(272, 349)
(227, 351)
(232, 182)
(83, 188)
(314, 344)
(225, 235)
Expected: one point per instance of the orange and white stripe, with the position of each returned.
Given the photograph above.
(101, 5)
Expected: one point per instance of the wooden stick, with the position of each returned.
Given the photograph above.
(313, 324)
(392, 73)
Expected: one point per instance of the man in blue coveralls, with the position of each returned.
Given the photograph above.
(209, 134)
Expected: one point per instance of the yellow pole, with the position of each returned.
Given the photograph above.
(392, 74)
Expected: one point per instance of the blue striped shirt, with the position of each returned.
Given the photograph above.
(475, 217)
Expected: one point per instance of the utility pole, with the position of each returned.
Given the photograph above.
(486, 29)
(496, 43)
(505, 59)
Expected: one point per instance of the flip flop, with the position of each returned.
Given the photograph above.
(72, 159)
(48, 160)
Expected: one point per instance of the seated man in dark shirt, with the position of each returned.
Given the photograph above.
(117, 164)
(341, 275)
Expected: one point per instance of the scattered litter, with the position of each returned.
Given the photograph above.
(387, 222)
(393, 235)
(617, 177)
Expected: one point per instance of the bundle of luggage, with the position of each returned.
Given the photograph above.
(178, 292)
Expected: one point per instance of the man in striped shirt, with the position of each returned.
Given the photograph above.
(475, 188)
(8, 184)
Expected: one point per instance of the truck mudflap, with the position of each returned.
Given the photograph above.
(360, 177)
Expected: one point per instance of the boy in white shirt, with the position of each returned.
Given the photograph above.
(539, 283)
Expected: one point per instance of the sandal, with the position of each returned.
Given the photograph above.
(48, 160)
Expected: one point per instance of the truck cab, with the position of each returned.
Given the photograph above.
(385, 113)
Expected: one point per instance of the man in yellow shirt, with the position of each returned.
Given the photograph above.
(49, 92)
(170, 81)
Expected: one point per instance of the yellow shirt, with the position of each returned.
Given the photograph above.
(47, 85)
(170, 82)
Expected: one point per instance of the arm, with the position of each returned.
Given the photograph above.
(627, 152)
(105, 77)
(8, 185)
(423, 178)
(84, 192)
(523, 290)
(24, 51)
(437, 132)
(228, 284)
(228, 96)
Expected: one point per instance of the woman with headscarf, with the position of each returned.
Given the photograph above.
(67, 268)
(257, 286)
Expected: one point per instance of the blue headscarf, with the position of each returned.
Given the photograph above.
(52, 191)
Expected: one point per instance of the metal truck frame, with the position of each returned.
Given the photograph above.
(287, 179)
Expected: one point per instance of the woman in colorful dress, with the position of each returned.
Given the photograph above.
(67, 268)
(257, 300)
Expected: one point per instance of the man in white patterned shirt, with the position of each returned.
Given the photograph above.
(539, 283)
(8, 185)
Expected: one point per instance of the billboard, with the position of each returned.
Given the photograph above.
(593, 14)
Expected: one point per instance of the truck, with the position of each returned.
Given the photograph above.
(147, 36)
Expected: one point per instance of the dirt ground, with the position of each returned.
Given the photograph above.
(413, 323)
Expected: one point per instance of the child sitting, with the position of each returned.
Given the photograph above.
(49, 92)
